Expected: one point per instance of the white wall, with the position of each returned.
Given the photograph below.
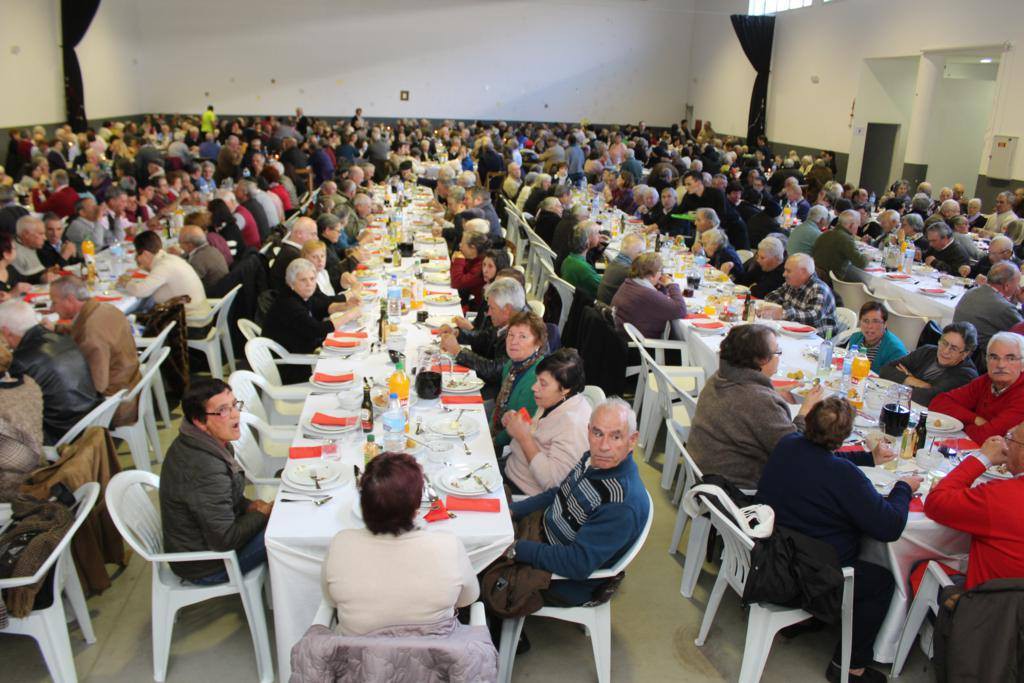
(960, 115)
(33, 79)
(831, 41)
(610, 61)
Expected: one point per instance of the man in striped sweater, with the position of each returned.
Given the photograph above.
(595, 515)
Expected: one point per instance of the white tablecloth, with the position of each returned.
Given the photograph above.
(938, 308)
(298, 534)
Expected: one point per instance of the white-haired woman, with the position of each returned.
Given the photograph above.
(294, 324)
(720, 253)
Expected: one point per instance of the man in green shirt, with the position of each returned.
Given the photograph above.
(836, 250)
(803, 236)
(575, 268)
(209, 121)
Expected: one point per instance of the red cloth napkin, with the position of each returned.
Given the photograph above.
(437, 513)
(444, 368)
(459, 504)
(435, 292)
(898, 276)
(715, 325)
(349, 335)
(107, 298)
(362, 266)
(933, 290)
(139, 275)
(695, 316)
(333, 420)
(784, 382)
(798, 328)
(476, 399)
(340, 344)
(29, 296)
(129, 238)
(327, 378)
(436, 331)
(851, 448)
(524, 415)
(958, 444)
(916, 504)
(874, 270)
(297, 452)
(64, 271)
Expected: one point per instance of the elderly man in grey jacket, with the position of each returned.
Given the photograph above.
(618, 268)
(202, 500)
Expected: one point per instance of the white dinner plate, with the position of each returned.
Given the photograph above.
(460, 383)
(943, 424)
(436, 267)
(442, 299)
(299, 476)
(442, 278)
(330, 430)
(446, 425)
(798, 331)
(452, 480)
(438, 320)
(882, 479)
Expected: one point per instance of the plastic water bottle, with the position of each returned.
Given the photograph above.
(117, 260)
(871, 200)
(825, 357)
(844, 384)
(393, 421)
(394, 300)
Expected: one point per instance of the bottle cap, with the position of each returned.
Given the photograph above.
(394, 394)
(369, 438)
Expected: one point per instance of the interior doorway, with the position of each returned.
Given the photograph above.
(879, 146)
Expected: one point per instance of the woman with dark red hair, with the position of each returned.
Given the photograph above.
(392, 573)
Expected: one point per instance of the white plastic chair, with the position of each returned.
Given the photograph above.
(764, 619)
(853, 294)
(848, 322)
(564, 289)
(265, 354)
(326, 615)
(700, 525)
(100, 416)
(264, 400)
(594, 394)
(48, 626)
(676, 408)
(259, 466)
(646, 396)
(597, 619)
(219, 335)
(907, 327)
(142, 434)
(149, 345)
(745, 255)
(131, 508)
(926, 600)
(249, 329)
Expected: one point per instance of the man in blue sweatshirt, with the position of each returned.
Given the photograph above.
(595, 515)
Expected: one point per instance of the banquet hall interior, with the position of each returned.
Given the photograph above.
(241, 237)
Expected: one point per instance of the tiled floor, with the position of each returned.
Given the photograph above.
(653, 628)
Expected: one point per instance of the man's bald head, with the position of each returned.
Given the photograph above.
(632, 245)
(303, 230)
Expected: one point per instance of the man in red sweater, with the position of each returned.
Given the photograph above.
(992, 404)
(991, 512)
(63, 199)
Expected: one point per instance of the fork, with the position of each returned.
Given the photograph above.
(315, 501)
(462, 435)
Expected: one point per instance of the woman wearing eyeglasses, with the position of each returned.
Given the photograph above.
(934, 368)
(202, 488)
(740, 417)
(874, 338)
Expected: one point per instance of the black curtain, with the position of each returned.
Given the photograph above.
(755, 35)
(75, 17)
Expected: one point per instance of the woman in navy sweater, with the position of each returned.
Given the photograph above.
(817, 492)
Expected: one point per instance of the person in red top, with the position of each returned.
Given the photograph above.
(273, 178)
(993, 403)
(250, 231)
(62, 201)
(991, 513)
(468, 266)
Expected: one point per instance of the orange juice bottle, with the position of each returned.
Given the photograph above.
(398, 382)
(861, 366)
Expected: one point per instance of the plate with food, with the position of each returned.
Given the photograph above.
(436, 266)
(998, 472)
(447, 425)
(461, 383)
(898, 277)
(437, 278)
(442, 299)
(469, 479)
(943, 424)
(430, 239)
(306, 476)
(439, 320)
(923, 270)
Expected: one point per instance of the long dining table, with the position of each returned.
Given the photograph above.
(922, 538)
(298, 534)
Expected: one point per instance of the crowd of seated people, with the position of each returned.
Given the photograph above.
(238, 180)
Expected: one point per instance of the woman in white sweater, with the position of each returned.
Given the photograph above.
(390, 573)
(547, 446)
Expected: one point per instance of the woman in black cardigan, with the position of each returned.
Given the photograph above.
(297, 321)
